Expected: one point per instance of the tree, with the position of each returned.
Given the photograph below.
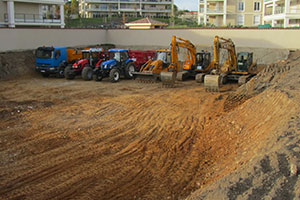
(67, 8)
(74, 7)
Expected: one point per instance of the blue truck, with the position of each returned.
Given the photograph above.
(53, 60)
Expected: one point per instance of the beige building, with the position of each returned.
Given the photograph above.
(31, 13)
(230, 12)
(281, 13)
(146, 8)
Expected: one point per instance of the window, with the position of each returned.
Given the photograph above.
(241, 6)
(256, 6)
(240, 20)
(57, 54)
(256, 20)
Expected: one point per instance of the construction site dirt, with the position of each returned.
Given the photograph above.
(78, 139)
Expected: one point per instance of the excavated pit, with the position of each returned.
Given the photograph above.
(74, 139)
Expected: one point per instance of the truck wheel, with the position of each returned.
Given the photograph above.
(130, 67)
(69, 73)
(45, 74)
(60, 71)
(114, 75)
(87, 73)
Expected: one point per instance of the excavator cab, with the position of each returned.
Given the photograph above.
(203, 60)
(165, 57)
(244, 61)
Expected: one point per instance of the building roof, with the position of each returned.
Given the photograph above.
(147, 21)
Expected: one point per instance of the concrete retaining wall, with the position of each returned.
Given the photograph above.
(24, 39)
(256, 38)
(19, 39)
(267, 45)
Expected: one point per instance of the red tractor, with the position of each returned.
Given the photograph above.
(91, 58)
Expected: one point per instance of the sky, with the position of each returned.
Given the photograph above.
(187, 4)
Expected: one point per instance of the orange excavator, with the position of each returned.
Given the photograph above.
(197, 64)
(163, 68)
(166, 66)
(237, 67)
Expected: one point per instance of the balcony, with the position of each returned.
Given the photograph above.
(102, 1)
(131, 1)
(280, 10)
(215, 12)
(157, 10)
(129, 10)
(102, 10)
(41, 1)
(33, 19)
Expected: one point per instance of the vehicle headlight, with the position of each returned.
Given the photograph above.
(52, 68)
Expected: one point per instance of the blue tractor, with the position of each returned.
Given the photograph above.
(119, 64)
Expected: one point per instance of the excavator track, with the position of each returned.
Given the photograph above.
(212, 83)
(168, 79)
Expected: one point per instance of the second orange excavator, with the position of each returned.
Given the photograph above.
(237, 67)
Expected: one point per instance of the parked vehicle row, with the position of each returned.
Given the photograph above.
(89, 63)
(164, 65)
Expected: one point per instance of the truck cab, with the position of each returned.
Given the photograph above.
(48, 59)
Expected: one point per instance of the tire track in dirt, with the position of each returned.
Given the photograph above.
(123, 146)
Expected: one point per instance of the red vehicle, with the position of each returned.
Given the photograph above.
(91, 58)
(140, 57)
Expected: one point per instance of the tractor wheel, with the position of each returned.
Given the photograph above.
(87, 73)
(114, 75)
(45, 74)
(130, 67)
(98, 76)
(68, 73)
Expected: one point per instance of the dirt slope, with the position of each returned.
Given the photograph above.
(16, 64)
(272, 172)
(88, 140)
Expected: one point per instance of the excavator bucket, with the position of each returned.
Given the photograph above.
(146, 77)
(212, 83)
(168, 79)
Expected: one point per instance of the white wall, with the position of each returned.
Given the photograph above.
(22, 39)
(256, 38)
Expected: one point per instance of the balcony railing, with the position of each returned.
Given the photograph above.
(215, 11)
(130, 1)
(33, 18)
(280, 10)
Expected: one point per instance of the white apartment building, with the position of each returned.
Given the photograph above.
(230, 12)
(281, 13)
(213, 11)
(31, 13)
(145, 8)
